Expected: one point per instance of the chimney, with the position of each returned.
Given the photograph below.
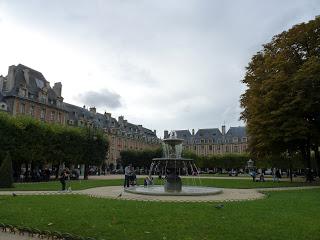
(57, 88)
(107, 115)
(1, 82)
(166, 134)
(11, 77)
(223, 129)
(93, 109)
(26, 75)
(155, 132)
(192, 132)
(120, 119)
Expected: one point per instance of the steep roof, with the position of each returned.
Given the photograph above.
(237, 132)
(213, 134)
(36, 83)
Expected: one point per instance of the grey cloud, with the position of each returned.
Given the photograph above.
(188, 57)
(132, 73)
(103, 98)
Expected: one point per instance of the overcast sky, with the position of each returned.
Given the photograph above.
(162, 63)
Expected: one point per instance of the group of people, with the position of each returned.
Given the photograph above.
(34, 175)
(130, 178)
(276, 175)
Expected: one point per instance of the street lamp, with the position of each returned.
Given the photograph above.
(250, 164)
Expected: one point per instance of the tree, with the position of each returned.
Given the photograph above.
(140, 158)
(281, 105)
(30, 141)
(6, 173)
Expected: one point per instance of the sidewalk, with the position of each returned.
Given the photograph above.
(11, 236)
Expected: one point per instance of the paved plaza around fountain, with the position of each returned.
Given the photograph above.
(117, 192)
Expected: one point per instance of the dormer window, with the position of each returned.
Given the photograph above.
(42, 97)
(23, 92)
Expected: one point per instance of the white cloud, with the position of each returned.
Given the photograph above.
(175, 64)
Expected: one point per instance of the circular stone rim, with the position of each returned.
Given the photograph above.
(213, 191)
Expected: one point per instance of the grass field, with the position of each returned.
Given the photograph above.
(282, 215)
(224, 183)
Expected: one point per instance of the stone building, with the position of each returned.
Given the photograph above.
(121, 134)
(213, 141)
(25, 91)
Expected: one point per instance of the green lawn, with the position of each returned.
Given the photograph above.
(283, 215)
(56, 185)
(224, 183)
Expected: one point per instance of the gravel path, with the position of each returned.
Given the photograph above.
(11, 236)
(117, 192)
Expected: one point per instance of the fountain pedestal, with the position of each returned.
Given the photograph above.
(173, 183)
(170, 165)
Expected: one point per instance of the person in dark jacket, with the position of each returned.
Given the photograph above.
(63, 178)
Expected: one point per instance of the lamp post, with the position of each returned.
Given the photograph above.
(250, 164)
(91, 137)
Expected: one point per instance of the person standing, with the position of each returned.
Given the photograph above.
(127, 173)
(63, 177)
(253, 175)
(278, 175)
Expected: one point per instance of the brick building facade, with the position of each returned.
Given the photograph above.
(25, 91)
(213, 141)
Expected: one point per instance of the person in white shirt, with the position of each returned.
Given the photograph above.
(127, 173)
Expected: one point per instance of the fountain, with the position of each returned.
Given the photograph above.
(171, 165)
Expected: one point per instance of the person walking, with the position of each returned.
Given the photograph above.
(63, 177)
(253, 175)
(278, 175)
(127, 173)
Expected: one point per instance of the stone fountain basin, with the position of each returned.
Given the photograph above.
(158, 190)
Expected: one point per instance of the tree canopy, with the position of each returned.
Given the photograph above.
(281, 105)
(33, 142)
(140, 158)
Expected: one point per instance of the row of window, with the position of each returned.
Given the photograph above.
(217, 148)
(42, 97)
(234, 140)
(54, 116)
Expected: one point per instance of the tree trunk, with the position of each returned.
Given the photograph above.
(57, 171)
(86, 171)
(16, 171)
(317, 157)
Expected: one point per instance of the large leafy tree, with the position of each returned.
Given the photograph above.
(282, 101)
(32, 142)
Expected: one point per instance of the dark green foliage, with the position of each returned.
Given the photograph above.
(140, 158)
(225, 161)
(282, 101)
(6, 173)
(35, 142)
